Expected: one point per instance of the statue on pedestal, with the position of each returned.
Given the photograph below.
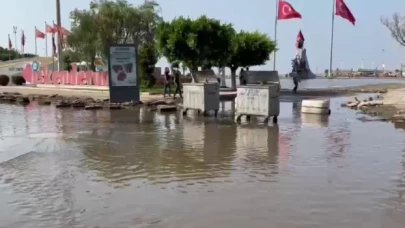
(300, 66)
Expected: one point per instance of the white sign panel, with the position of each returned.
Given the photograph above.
(123, 69)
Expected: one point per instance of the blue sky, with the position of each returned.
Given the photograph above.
(353, 45)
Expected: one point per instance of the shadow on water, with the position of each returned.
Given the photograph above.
(135, 168)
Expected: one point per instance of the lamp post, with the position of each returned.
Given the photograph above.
(15, 37)
(58, 22)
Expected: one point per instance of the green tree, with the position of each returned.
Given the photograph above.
(176, 42)
(213, 41)
(115, 22)
(6, 54)
(148, 57)
(203, 42)
(122, 23)
(84, 35)
(70, 57)
(249, 49)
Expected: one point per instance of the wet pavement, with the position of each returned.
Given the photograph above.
(134, 168)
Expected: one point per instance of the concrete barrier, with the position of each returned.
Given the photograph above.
(316, 106)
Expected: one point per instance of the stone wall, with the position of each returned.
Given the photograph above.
(257, 77)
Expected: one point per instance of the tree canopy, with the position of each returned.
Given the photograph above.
(114, 22)
(206, 42)
(249, 49)
(6, 54)
(203, 42)
(199, 42)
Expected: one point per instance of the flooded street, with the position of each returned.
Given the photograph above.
(134, 168)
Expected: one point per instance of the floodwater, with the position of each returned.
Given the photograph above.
(134, 168)
(287, 83)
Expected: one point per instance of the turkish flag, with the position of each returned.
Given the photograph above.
(343, 11)
(300, 36)
(64, 31)
(53, 45)
(56, 28)
(23, 39)
(49, 29)
(10, 45)
(39, 34)
(286, 11)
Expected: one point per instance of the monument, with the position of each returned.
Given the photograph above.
(300, 64)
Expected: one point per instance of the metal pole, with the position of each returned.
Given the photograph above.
(22, 46)
(15, 38)
(36, 47)
(46, 42)
(53, 52)
(9, 51)
(331, 39)
(58, 22)
(275, 34)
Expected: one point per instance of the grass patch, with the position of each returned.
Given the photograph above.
(157, 89)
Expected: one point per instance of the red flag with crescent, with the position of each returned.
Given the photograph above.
(286, 11)
(343, 11)
(300, 36)
(300, 40)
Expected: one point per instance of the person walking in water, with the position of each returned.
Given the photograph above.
(296, 81)
(176, 73)
(242, 80)
(167, 82)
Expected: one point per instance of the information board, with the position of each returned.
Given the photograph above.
(123, 73)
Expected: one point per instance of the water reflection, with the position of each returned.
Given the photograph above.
(258, 149)
(314, 120)
(338, 142)
(161, 152)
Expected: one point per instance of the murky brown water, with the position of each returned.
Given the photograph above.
(64, 168)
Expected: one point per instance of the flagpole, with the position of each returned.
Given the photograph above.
(15, 38)
(46, 42)
(53, 52)
(22, 43)
(331, 39)
(275, 34)
(36, 49)
(9, 49)
(59, 23)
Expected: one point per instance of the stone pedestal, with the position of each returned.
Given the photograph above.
(254, 100)
(201, 96)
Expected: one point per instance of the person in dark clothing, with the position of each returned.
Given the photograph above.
(167, 81)
(295, 80)
(242, 77)
(178, 83)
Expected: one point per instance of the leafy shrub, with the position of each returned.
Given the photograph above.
(4, 80)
